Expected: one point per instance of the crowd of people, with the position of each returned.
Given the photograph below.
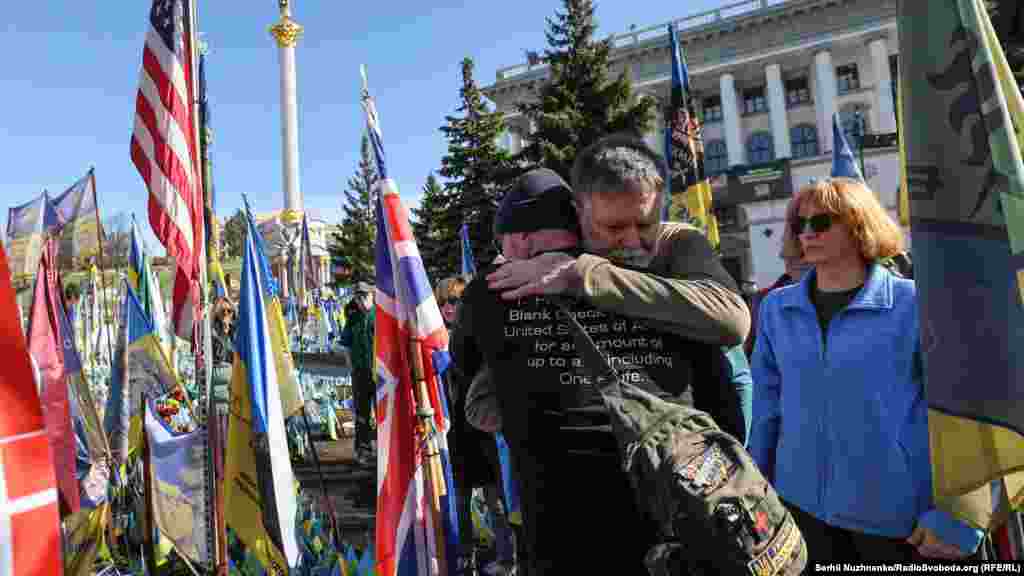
(823, 386)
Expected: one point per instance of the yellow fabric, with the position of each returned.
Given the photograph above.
(966, 456)
(291, 393)
(86, 531)
(904, 200)
(698, 205)
(243, 503)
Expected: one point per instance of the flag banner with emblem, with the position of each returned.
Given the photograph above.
(411, 539)
(47, 343)
(86, 529)
(177, 454)
(30, 531)
(966, 182)
(141, 370)
(79, 222)
(25, 227)
(684, 148)
(164, 149)
(259, 493)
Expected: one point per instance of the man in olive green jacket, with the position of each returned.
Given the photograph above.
(357, 336)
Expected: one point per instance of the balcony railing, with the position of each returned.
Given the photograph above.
(644, 35)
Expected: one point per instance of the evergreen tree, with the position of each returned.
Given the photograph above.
(477, 168)
(233, 235)
(354, 242)
(436, 231)
(578, 103)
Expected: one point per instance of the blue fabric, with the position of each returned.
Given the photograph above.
(843, 162)
(737, 373)
(842, 432)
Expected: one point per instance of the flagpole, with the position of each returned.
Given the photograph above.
(432, 457)
(203, 358)
(99, 260)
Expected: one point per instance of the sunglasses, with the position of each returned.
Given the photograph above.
(454, 301)
(819, 224)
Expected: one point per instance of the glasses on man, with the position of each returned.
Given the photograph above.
(819, 224)
(453, 300)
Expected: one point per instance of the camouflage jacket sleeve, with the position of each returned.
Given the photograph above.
(686, 290)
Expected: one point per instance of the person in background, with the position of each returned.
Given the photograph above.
(474, 453)
(357, 336)
(72, 296)
(840, 416)
(795, 268)
(223, 331)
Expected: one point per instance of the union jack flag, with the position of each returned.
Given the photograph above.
(165, 149)
(413, 537)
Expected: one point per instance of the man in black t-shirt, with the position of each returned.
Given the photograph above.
(579, 512)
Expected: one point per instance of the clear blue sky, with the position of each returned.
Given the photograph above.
(71, 70)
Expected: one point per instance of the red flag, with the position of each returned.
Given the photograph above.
(29, 519)
(46, 345)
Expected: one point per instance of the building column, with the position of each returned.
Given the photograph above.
(824, 97)
(731, 120)
(777, 111)
(885, 111)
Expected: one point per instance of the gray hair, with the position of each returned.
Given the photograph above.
(615, 161)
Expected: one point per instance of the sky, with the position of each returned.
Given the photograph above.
(71, 72)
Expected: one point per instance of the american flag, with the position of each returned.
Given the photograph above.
(164, 149)
(413, 538)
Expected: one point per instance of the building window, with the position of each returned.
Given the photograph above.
(847, 78)
(716, 158)
(712, 109)
(754, 101)
(797, 92)
(854, 121)
(804, 139)
(759, 148)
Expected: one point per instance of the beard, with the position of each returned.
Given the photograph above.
(632, 257)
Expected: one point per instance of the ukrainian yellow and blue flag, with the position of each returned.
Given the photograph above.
(260, 501)
(966, 188)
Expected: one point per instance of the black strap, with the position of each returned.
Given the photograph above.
(595, 364)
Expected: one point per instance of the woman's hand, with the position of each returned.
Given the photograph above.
(929, 545)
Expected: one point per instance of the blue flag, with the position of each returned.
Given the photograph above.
(468, 264)
(271, 289)
(844, 164)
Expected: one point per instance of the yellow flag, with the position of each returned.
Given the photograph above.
(698, 205)
(243, 502)
(85, 532)
(904, 200)
(291, 393)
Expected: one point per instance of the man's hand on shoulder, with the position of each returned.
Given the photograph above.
(550, 273)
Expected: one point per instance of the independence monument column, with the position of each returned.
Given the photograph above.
(287, 33)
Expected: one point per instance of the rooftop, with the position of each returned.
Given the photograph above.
(702, 21)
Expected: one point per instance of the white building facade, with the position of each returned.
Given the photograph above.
(766, 77)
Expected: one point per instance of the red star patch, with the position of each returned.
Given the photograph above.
(761, 526)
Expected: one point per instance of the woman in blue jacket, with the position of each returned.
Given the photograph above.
(840, 419)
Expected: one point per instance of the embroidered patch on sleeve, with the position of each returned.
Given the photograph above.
(707, 471)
